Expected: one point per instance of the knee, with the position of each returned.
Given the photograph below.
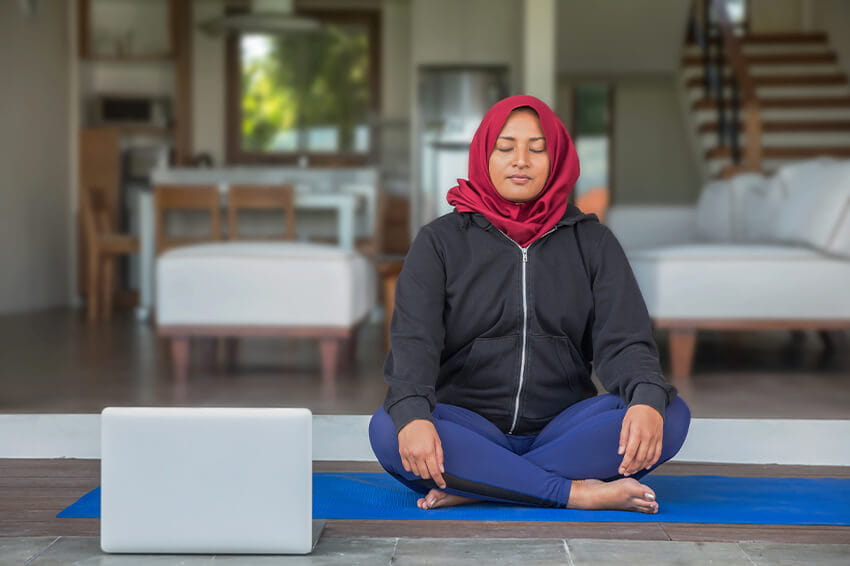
(382, 436)
(676, 423)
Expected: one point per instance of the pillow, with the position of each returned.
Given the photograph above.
(817, 208)
(762, 204)
(714, 212)
(839, 242)
(741, 185)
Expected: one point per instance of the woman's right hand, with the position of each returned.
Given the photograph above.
(421, 451)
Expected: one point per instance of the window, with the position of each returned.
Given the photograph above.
(309, 95)
(592, 135)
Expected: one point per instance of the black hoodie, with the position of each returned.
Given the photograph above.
(510, 333)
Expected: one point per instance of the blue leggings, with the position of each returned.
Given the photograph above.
(484, 463)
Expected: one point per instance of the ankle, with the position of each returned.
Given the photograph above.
(578, 495)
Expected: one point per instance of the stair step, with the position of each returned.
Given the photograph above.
(775, 59)
(767, 49)
(784, 114)
(780, 80)
(792, 126)
(812, 102)
(769, 166)
(766, 93)
(778, 37)
(784, 152)
(757, 71)
(788, 139)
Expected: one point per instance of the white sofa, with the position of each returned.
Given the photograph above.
(754, 253)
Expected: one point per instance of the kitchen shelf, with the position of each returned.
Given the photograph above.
(130, 58)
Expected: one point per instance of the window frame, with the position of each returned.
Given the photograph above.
(234, 154)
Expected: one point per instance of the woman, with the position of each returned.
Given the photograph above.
(500, 309)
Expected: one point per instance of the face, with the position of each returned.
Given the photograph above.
(519, 163)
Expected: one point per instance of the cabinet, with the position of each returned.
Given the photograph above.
(131, 48)
(139, 47)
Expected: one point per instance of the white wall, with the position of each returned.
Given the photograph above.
(653, 162)
(208, 84)
(776, 15)
(471, 32)
(617, 36)
(34, 157)
(395, 59)
(833, 17)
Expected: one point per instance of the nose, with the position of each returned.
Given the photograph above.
(521, 157)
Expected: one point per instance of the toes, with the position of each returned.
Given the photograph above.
(645, 507)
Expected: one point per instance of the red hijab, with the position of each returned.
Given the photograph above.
(525, 222)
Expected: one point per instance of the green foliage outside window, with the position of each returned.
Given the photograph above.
(306, 92)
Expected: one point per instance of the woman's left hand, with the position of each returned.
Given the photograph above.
(640, 439)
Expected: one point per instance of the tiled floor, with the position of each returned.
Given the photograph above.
(54, 362)
(352, 551)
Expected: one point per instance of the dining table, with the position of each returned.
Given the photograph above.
(350, 193)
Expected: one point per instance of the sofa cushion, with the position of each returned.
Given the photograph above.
(714, 212)
(738, 281)
(264, 284)
(762, 205)
(816, 211)
(721, 209)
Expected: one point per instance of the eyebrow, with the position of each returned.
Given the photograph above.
(514, 139)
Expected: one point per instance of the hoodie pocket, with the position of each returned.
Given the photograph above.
(555, 377)
(489, 375)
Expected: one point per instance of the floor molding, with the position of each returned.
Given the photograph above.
(345, 438)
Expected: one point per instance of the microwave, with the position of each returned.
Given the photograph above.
(130, 110)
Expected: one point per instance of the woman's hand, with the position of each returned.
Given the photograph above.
(421, 451)
(640, 439)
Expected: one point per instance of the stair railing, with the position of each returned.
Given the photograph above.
(716, 53)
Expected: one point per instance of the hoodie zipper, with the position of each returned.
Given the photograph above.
(524, 251)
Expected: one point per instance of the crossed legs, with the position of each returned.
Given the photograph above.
(483, 463)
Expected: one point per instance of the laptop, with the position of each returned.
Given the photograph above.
(206, 481)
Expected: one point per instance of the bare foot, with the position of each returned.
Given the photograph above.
(436, 498)
(626, 494)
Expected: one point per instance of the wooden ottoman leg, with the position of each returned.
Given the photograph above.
(351, 345)
(231, 352)
(180, 358)
(330, 349)
(682, 344)
(209, 354)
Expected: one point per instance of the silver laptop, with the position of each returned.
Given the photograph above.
(206, 480)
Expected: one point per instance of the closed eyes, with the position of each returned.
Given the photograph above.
(509, 149)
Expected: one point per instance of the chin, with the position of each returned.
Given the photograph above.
(520, 198)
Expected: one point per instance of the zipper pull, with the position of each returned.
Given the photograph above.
(525, 255)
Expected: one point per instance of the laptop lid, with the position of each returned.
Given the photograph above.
(206, 480)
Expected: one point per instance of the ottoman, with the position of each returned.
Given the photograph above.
(240, 289)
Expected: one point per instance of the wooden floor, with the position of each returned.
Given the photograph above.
(33, 491)
(53, 362)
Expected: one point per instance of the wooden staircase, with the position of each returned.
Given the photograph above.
(803, 99)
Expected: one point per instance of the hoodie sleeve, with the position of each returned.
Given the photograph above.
(416, 333)
(624, 352)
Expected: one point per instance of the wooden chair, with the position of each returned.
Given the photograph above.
(595, 201)
(202, 198)
(387, 255)
(103, 247)
(261, 197)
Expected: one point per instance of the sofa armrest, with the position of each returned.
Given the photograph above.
(646, 226)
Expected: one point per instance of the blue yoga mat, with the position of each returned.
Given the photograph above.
(682, 499)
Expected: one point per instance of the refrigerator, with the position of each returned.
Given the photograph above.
(450, 102)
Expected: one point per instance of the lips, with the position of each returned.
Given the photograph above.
(520, 179)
